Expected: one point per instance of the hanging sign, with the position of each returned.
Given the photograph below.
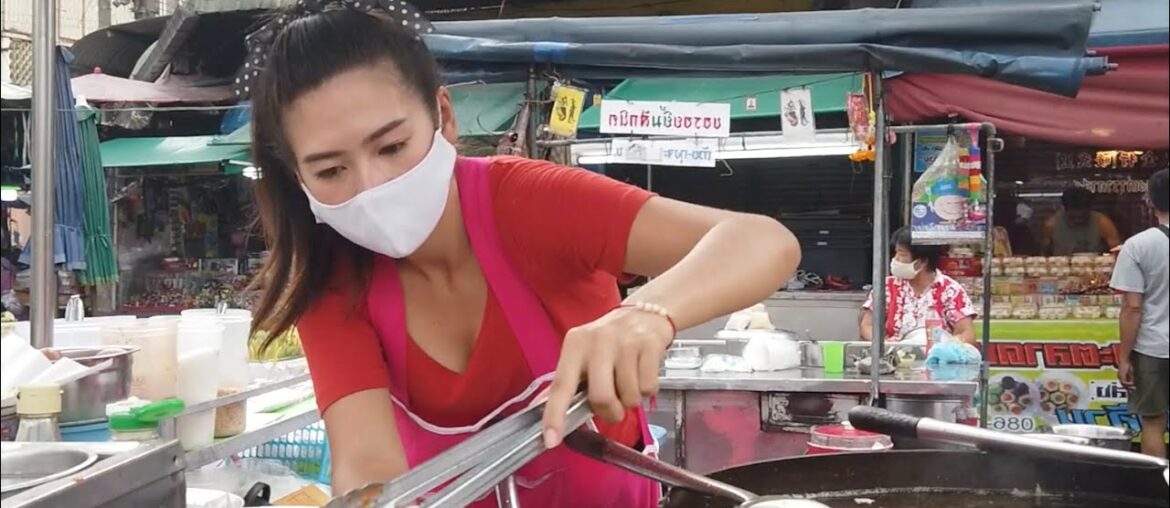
(688, 153)
(796, 118)
(692, 119)
(928, 144)
(566, 110)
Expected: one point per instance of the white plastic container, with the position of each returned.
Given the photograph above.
(156, 367)
(199, 333)
(233, 353)
(198, 383)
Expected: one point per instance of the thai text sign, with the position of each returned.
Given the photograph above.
(701, 120)
(1045, 382)
(692, 153)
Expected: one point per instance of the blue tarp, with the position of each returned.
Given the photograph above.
(1037, 46)
(1120, 22)
(68, 221)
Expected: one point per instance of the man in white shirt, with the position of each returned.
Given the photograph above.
(1143, 275)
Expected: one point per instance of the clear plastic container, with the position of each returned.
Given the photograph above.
(198, 383)
(683, 358)
(843, 438)
(233, 353)
(155, 368)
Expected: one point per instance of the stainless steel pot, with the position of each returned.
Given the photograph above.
(1115, 438)
(85, 399)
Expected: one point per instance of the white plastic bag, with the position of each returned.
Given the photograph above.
(770, 352)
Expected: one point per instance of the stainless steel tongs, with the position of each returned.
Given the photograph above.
(467, 471)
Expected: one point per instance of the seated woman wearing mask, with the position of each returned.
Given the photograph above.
(916, 290)
(434, 293)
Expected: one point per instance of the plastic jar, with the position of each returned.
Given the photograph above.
(155, 366)
(843, 438)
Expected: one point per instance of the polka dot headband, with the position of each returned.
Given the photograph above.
(259, 43)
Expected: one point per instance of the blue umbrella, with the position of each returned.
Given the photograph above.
(68, 221)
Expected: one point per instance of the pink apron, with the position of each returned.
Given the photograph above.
(559, 477)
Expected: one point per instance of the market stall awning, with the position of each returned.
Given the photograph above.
(484, 110)
(1036, 46)
(828, 92)
(168, 151)
(106, 88)
(1120, 22)
(480, 110)
(1128, 108)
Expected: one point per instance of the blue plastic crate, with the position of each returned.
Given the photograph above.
(305, 451)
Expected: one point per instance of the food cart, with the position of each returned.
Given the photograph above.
(747, 45)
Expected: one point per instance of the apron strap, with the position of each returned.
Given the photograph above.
(387, 312)
(522, 309)
(524, 312)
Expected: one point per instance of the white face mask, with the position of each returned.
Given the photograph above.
(901, 270)
(396, 217)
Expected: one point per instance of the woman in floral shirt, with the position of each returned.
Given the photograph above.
(916, 290)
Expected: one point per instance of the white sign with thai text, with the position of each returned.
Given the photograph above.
(690, 153)
(701, 120)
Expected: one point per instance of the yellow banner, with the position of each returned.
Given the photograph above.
(566, 110)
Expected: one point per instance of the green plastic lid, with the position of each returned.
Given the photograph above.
(127, 422)
(146, 417)
(158, 411)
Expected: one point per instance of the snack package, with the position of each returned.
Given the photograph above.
(942, 205)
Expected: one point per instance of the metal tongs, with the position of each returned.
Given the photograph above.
(474, 467)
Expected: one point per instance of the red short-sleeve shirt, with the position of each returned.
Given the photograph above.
(564, 229)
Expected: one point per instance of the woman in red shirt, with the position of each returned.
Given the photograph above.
(434, 293)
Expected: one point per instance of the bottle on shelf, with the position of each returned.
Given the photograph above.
(38, 407)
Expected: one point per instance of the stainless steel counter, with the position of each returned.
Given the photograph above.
(961, 381)
(126, 474)
(720, 420)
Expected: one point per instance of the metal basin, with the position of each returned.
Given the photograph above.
(85, 400)
(26, 468)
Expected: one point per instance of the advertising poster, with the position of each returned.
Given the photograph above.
(1044, 380)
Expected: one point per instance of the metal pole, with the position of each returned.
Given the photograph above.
(907, 141)
(650, 178)
(880, 241)
(44, 284)
(534, 110)
(991, 146)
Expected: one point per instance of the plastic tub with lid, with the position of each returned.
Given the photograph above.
(843, 438)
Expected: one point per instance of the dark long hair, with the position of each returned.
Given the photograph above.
(303, 56)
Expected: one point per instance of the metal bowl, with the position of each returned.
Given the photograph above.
(25, 468)
(1098, 435)
(85, 400)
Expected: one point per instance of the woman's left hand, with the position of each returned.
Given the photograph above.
(618, 355)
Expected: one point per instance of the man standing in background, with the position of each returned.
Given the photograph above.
(1077, 228)
(1143, 275)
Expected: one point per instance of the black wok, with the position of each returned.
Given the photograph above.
(942, 479)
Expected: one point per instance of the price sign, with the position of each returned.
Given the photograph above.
(1013, 423)
(566, 110)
